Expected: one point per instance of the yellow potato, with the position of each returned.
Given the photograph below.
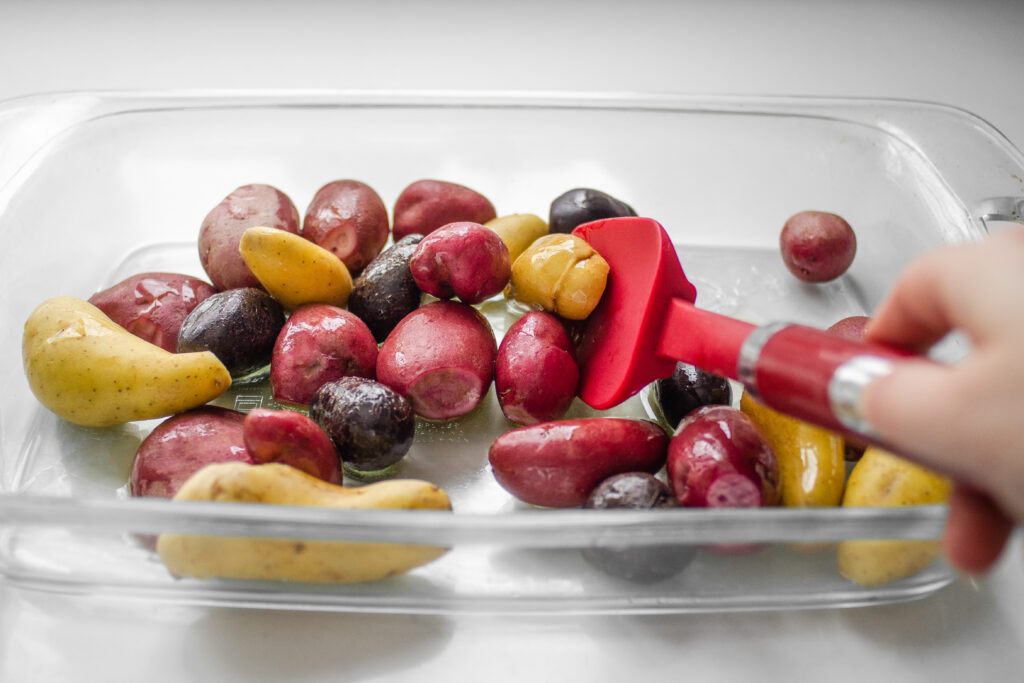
(561, 274)
(294, 270)
(296, 560)
(812, 461)
(91, 371)
(518, 231)
(881, 479)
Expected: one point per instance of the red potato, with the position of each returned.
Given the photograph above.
(536, 375)
(852, 328)
(182, 445)
(320, 343)
(291, 438)
(349, 219)
(464, 260)
(441, 358)
(248, 206)
(426, 205)
(718, 458)
(152, 306)
(221, 232)
(817, 246)
(558, 464)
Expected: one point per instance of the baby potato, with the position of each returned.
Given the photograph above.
(518, 231)
(285, 559)
(348, 218)
(557, 464)
(582, 205)
(561, 274)
(882, 479)
(440, 358)
(536, 376)
(294, 270)
(426, 205)
(817, 246)
(385, 292)
(152, 306)
(238, 325)
(221, 231)
(464, 260)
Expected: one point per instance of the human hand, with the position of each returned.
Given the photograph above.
(965, 419)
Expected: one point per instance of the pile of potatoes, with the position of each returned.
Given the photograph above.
(358, 353)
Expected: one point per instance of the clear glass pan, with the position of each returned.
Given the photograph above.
(98, 186)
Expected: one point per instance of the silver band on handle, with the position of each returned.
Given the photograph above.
(847, 385)
(750, 353)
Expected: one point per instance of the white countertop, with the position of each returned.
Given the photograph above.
(964, 54)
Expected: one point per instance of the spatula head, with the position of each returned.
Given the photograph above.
(618, 350)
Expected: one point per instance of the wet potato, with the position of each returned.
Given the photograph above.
(238, 325)
(426, 205)
(385, 292)
(349, 219)
(518, 231)
(221, 231)
(561, 274)
(464, 260)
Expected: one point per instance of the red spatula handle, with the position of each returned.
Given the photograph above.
(812, 375)
(800, 371)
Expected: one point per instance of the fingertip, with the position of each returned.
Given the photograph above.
(911, 408)
(976, 532)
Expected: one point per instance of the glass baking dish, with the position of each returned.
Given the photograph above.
(98, 186)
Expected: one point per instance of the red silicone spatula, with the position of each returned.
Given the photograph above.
(647, 321)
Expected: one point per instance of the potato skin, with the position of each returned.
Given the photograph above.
(817, 246)
(558, 463)
(883, 479)
(372, 424)
(518, 231)
(852, 327)
(640, 564)
(582, 205)
(441, 358)
(536, 375)
(152, 306)
(294, 270)
(221, 231)
(426, 205)
(385, 292)
(687, 389)
(349, 219)
(182, 445)
(812, 460)
(464, 260)
(238, 325)
(561, 274)
(282, 559)
(320, 343)
(719, 458)
(89, 370)
(290, 438)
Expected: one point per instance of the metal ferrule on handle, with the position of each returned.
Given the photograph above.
(813, 375)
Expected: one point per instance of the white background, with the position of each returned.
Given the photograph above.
(967, 54)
